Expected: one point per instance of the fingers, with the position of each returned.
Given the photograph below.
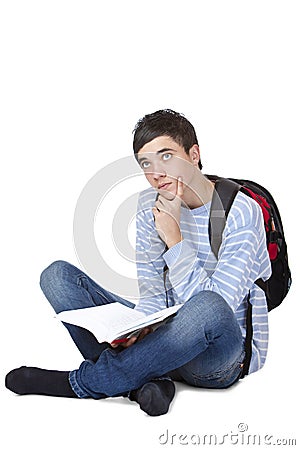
(155, 211)
(144, 333)
(162, 203)
(129, 342)
(165, 196)
(125, 344)
(179, 192)
(134, 339)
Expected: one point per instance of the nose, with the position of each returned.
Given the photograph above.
(156, 171)
(157, 174)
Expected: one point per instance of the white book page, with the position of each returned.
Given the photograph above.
(111, 321)
(102, 320)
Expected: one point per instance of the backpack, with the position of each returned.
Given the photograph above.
(278, 285)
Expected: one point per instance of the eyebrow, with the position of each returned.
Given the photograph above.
(157, 153)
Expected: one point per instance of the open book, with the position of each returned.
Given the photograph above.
(114, 322)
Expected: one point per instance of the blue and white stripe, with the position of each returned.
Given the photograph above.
(192, 266)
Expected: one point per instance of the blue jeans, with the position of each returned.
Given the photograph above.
(201, 345)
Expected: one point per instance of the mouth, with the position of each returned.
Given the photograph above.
(164, 185)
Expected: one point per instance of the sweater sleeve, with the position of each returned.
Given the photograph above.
(149, 262)
(238, 265)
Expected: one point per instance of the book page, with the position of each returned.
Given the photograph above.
(145, 321)
(108, 322)
(101, 320)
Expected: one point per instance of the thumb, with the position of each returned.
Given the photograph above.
(179, 187)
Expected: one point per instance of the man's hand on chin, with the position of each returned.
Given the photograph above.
(167, 216)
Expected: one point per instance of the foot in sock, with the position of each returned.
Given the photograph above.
(154, 397)
(32, 380)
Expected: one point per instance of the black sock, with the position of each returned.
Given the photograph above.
(154, 397)
(32, 380)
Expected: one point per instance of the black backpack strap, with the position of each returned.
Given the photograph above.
(223, 197)
(248, 339)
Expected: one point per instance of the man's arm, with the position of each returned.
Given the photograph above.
(149, 261)
(149, 248)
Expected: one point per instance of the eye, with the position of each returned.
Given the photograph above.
(145, 165)
(166, 156)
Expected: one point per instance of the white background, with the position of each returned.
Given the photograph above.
(75, 78)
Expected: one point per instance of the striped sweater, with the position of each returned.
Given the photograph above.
(192, 266)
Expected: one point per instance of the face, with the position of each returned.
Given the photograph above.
(163, 161)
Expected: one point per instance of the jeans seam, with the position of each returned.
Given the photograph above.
(79, 280)
(75, 386)
(222, 374)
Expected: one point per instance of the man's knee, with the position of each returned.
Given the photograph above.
(52, 274)
(208, 309)
(210, 301)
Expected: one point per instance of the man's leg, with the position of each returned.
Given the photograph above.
(66, 287)
(204, 322)
(216, 368)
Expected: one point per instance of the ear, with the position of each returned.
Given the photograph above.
(194, 153)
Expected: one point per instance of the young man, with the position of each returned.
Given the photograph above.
(203, 344)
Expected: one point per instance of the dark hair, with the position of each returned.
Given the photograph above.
(164, 122)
